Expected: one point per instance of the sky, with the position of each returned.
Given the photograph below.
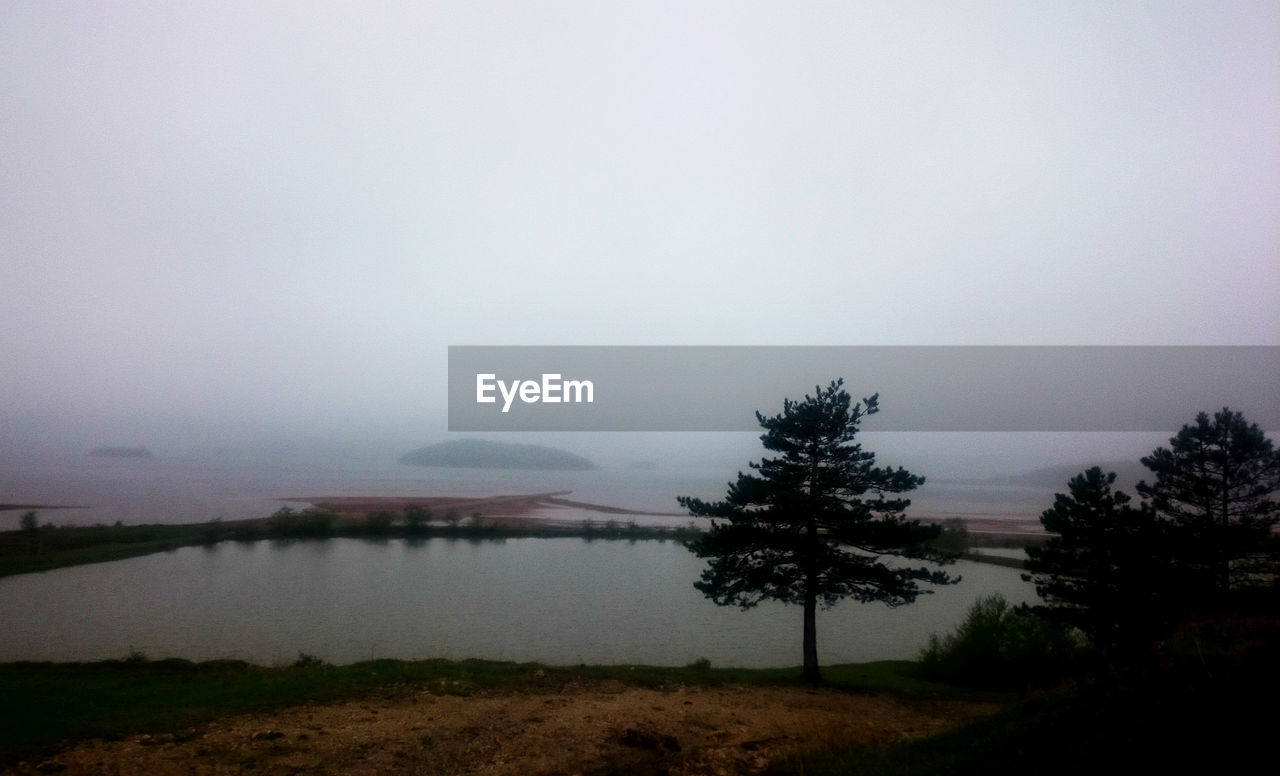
(253, 221)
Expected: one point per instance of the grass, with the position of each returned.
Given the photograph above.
(23, 552)
(1201, 701)
(43, 705)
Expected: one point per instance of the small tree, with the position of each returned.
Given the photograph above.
(283, 522)
(416, 517)
(1106, 569)
(813, 526)
(29, 522)
(317, 521)
(1217, 482)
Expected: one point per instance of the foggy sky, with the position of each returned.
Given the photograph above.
(245, 219)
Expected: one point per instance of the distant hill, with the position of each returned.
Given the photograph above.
(479, 454)
(121, 452)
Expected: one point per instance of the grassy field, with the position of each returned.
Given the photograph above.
(1175, 720)
(1201, 700)
(43, 705)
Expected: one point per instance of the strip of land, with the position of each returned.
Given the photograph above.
(485, 517)
(14, 507)
(500, 507)
(504, 516)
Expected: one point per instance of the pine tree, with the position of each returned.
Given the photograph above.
(814, 524)
(1106, 567)
(1217, 481)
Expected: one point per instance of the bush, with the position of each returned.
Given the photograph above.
(954, 539)
(308, 661)
(317, 521)
(283, 522)
(1001, 646)
(416, 517)
(379, 522)
(213, 531)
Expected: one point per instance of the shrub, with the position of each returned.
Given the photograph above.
(307, 661)
(283, 522)
(954, 539)
(317, 521)
(213, 531)
(416, 517)
(379, 522)
(1001, 646)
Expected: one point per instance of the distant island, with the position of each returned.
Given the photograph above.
(121, 452)
(479, 454)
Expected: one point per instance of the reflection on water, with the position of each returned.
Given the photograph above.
(558, 601)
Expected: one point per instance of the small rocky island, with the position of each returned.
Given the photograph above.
(120, 452)
(479, 454)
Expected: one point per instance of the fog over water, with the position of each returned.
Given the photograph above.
(967, 475)
(244, 236)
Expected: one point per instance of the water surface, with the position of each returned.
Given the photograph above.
(558, 601)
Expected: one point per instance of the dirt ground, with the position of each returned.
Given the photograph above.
(601, 727)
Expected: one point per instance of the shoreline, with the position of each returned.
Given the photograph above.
(502, 516)
(504, 506)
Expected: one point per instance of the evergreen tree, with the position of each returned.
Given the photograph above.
(814, 524)
(1106, 567)
(1217, 481)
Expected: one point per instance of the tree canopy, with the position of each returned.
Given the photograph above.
(815, 524)
(1106, 567)
(1217, 481)
(1124, 574)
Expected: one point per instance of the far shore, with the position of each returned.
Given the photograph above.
(495, 517)
(499, 507)
(16, 507)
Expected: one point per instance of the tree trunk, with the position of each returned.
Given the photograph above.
(811, 672)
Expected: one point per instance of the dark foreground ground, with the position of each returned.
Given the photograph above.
(1205, 702)
(160, 717)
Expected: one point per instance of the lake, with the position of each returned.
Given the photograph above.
(558, 601)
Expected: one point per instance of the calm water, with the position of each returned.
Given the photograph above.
(559, 601)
